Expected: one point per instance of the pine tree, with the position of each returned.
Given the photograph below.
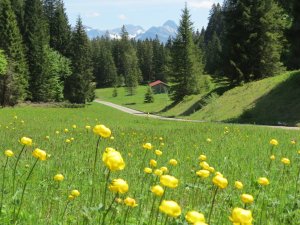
(11, 43)
(215, 23)
(36, 39)
(79, 87)
(149, 97)
(293, 36)
(145, 56)
(3, 63)
(213, 62)
(159, 60)
(187, 67)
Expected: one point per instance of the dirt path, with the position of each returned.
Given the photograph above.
(142, 114)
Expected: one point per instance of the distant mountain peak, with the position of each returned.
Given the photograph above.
(169, 28)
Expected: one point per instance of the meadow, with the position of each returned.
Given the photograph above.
(231, 152)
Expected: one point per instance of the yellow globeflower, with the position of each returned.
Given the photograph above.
(148, 170)
(203, 173)
(272, 157)
(113, 159)
(74, 126)
(247, 198)
(9, 153)
(220, 181)
(202, 157)
(285, 161)
(204, 165)
(39, 154)
(274, 142)
(173, 162)
(160, 138)
(26, 141)
(66, 130)
(164, 169)
(130, 202)
(211, 169)
(293, 142)
(157, 190)
(87, 127)
(263, 181)
(158, 172)
(194, 216)
(71, 197)
(59, 177)
(200, 223)
(208, 140)
(75, 193)
(241, 216)
(170, 208)
(119, 186)
(158, 152)
(153, 163)
(68, 141)
(102, 131)
(147, 146)
(238, 185)
(169, 181)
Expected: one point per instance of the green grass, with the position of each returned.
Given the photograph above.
(135, 101)
(240, 154)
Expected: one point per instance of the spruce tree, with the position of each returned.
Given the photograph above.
(293, 36)
(159, 60)
(3, 63)
(79, 87)
(187, 67)
(36, 39)
(11, 43)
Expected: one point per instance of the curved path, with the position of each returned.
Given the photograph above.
(143, 114)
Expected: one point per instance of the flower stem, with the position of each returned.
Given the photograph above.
(126, 215)
(93, 172)
(156, 218)
(212, 204)
(262, 209)
(65, 210)
(151, 212)
(105, 188)
(2, 188)
(15, 169)
(24, 187)
(109, 208)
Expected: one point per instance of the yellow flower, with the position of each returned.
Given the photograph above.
(193, 217)
(112, 138)
(238, 185)
(71, 197)
(113, 159)
(211, 169)
(147, 146)
(173, 162)
(130, 202)
(274, 142)
(26, 141)
(170, 208)
(74, 126)
(293, 142)
(200, 223)
(263, 181)
(203, 173)
(59, 177)
(66, 130)
(68, 141)
(160, 138)
(102, 131)
(47, 137)
(241, 216)
(158, 172)
(153, 163)
(298, 151)
(119, 186)
(57, 132)
(164, 169)
(75, 193)
(39, 154)
(285, 161)
(87, 127)
(208, 140)
(204, 165)
(220, 181)
(158, 152)
(72, 139)
(202, 157)
(169, 181)
(118, 200)
(148, 170)
(9, 153)
(247, 198)
(157, 190)
(272, 157)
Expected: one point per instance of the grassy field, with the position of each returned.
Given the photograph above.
(238, 152)
(248, 103)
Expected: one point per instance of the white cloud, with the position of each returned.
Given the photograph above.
(122, 17)
(201, 4)
(92, 14)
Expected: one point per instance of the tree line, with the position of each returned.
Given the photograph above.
(44, 59)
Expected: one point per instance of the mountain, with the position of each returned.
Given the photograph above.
(163, 32)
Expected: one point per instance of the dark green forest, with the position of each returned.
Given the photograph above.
(44, 59)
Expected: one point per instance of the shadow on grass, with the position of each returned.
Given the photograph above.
(281, 106)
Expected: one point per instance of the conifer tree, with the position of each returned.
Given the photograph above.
(186, 63)
(79, 87)
(293, 36)
(36, 39)
(159, 60)
(11, 43)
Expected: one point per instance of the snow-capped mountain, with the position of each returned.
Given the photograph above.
(163, 32)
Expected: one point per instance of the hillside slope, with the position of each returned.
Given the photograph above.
(274, 100)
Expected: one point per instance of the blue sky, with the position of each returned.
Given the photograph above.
(108, 14)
